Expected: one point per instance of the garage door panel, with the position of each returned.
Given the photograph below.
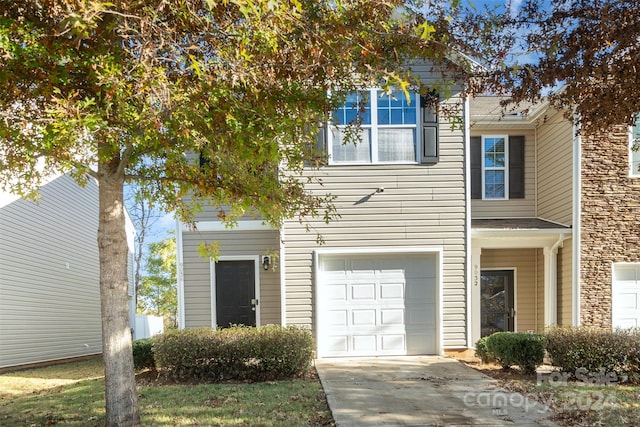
(337, 292)
(371, 308)
(337, 344)
(337, 265)
(391, 317)
(391, 291)
(392, 343)
(363, 317)
(338, 318)
(363, 291)
(364, 343)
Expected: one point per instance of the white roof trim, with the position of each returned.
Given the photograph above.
(242, 225)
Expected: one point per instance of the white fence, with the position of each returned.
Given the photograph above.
(147, 326)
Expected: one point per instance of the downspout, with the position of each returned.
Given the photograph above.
(467, 225)
(576, 225)
(551, 282)
(535, 169)
(180, 274)
(283, 287)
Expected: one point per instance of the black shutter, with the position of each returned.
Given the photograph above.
(516, 167)
(430, 146)
(476, 167)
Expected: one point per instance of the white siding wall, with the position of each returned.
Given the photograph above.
(49, 275)
(421, 206)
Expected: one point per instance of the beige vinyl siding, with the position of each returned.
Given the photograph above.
(513, 208)
(49, 275)
(565, 284)
(527, 282)
(422, 206)
(555, 169)
(197, 272)
(540, 290)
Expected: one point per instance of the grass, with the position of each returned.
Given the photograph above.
(73, 394)
(574, 403)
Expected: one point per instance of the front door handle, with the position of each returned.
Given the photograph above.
(254, 302)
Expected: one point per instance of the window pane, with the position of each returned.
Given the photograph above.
(494, 184)
(494, 152)
(393, 109)
(356, 106)
(396, 145)
(353, 151)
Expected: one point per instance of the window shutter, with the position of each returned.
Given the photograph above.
(516, 167)
(476, 167)
(317, 150)
(430, 150)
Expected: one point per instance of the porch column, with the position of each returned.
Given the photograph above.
(476, 320)
(550, 285)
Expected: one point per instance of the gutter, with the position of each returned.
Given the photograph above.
(576, 226)
(467, 222)
(180, 274)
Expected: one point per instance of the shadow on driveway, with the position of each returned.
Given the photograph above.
(421, 391)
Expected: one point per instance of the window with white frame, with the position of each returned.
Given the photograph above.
(386, 131)
(495, 169)
(634, 149)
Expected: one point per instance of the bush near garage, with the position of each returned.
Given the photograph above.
(143, 357)
(482, 352)
(595, 350)
(235, 353)
(524, 350)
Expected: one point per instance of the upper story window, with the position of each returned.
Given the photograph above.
(497, 167)
(387, 131)
(494, 167)
(634, 149)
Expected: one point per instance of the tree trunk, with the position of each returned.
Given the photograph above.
(120, 395)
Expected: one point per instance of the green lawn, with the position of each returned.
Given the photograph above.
(73, 394)
(574, 403)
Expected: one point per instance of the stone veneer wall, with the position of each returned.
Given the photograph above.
(610, 226)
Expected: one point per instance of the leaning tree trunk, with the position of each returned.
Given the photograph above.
(120, 396)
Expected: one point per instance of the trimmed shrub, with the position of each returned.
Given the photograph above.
(239, 352)
(524, 350)
(482, 352)
(595, 350)
(143, 354)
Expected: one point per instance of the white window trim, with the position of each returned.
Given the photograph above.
(373, 127)
(505, 168)
(634, 171)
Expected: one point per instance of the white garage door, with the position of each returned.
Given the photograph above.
(370, 305)
(625, 293)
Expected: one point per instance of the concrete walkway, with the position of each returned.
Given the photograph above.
(421, 391)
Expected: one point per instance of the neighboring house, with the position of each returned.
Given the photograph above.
(445, 234)
(49, 274)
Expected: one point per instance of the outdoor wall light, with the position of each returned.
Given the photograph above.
(266, 262)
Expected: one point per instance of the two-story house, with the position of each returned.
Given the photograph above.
(446, 234)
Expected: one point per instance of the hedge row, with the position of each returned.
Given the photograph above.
(572, 350)
(238, 353)
(594, 350)
(143, 357)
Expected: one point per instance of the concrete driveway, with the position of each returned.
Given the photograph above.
(421, 391)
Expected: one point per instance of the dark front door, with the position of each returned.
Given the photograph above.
(496, 304)
(235, 293)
